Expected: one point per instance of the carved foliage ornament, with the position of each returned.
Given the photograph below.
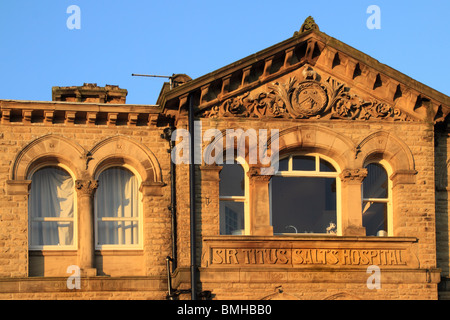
(86, 187)
(305, 100)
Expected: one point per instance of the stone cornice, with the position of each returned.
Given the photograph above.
(50, 112)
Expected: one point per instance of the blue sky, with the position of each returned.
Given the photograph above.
(118, 38)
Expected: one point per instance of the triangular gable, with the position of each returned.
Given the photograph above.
(308, 76)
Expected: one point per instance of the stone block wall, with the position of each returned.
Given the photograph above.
(19, 278)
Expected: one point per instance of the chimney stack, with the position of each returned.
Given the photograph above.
(90, 92)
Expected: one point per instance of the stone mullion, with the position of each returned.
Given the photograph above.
(259, 203)
(351, 202)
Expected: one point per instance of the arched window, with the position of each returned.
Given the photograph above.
(304, 196)
(117, 209)
(51, 208)
(376, 201)
(233, 199)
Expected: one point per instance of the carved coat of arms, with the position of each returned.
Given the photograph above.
(305, 100)
(308, 99)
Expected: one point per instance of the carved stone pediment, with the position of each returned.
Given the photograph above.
(353, 86)
(307, 98)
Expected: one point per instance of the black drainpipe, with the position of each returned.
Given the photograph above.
(192, 198)
(173, 204)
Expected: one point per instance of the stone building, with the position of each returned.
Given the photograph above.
(344, 197)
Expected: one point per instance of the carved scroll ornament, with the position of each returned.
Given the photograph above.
(308, 99)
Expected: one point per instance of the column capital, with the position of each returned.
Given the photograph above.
(353, 175)
(86, 187)
(254, 174)
(210, 172)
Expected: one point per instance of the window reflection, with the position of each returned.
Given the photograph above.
(232, 199)
(303, 196)
(231, 217)
(303, 204)
(325, 166)
(303, 163)
(376, 183)
(232, 180)
(374, 217)
(375, 200)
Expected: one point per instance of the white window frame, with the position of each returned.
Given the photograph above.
(74, 219)
(243, 198)
(139, 219)
(314, 174)
(388, 200)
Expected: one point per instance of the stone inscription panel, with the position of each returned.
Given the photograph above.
(241, 254)
(380, 257)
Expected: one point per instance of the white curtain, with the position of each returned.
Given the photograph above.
(117, 207)
(51, 207)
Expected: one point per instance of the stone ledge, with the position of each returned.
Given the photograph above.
(318, 275)
(88, 284)
(310, 237)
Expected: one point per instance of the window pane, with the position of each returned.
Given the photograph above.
(283, 164)
(118, 232)
(325, 166)
(303, 205)
(374, 217)
(231, 217)
(117, 194)
(376, 183)
(51, 193)
(304, 163)
(117, 197)
(51, 196)
(232, 182)
(46, 233)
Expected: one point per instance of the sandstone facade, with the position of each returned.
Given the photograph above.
(322, 97)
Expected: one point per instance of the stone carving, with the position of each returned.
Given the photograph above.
(308, 25)
(86, 187)
(356, 175)
(308, 99)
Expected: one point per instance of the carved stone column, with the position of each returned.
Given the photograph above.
(351, 180)
(259, 202)
(86, 190)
